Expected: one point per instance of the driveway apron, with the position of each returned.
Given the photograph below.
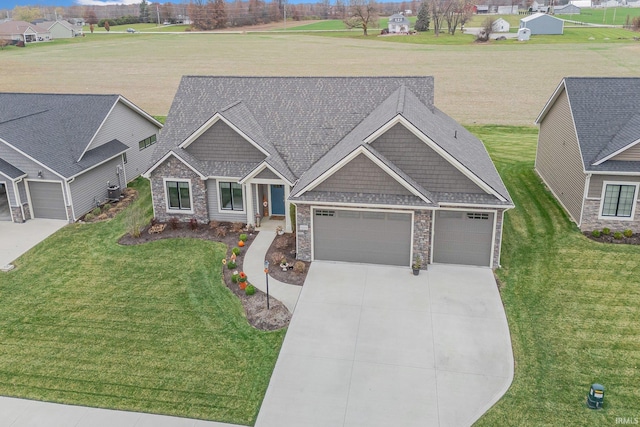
(16, 239)
(376, 346)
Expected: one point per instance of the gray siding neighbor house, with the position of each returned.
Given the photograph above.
(589, 151)
(376, 172)
(541, 23)
(59, 153)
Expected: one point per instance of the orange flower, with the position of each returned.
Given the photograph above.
(244, 276)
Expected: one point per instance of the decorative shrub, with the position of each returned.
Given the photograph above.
(234, 277)
(231, 265)
(242, 285)
(250, 290)
(281, 243)
(283, 261)
(102, 217)
(134, 221)
(213, 224)
(89, 217)
(221, 232)
(243, 237)
(596, 233)
(606, 231)
(154, 220)
(617, 235)
(242, 277)
(276, 257)
(237, 227)
(96, 211)
(174, 222)
(236, 251)
(193, 223)
(627, 232)
(106, 206)
(299, 267)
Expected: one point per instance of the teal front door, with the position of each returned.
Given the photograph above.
(277, 199)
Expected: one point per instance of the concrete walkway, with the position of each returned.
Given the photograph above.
(376, 346)
(17, 239)
(254, 267)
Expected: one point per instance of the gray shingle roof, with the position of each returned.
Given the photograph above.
(10, 171)
(54, 129)
(363, 198)
(606, 113)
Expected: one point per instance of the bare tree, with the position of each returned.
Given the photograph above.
(456, 13)
(486, 30)
(363, 14)
(3, 43)
(437, 15)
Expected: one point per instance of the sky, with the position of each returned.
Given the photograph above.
(10, 4)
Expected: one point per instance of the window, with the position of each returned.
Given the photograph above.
(618, 200)
(477, 215)
(147, 142)
(325, 213)
(231, 196)
(178, 195)
(124, 158)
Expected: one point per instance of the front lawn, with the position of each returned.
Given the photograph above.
(572, 304)
(146, 328)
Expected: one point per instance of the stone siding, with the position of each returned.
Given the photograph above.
(590, 220)
(70, 213)
(303, 237)
(174, 168)
(16, 214)
(422, 224)
(498, 241)
(27, 211)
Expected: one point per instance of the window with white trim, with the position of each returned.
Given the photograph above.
(618, 200)
(147, 142)
(231, 197)
(178, 195)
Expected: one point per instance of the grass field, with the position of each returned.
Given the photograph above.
(571, 304)
(608, 16)
(147, 328)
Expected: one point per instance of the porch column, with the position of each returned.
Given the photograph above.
(249, 202)
(287, 217)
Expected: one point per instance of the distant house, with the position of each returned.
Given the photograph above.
(589, 151)
(61, 29)
(508, 10)
(567, 9)
(59, 153)
(398, 24)
(21, 31)
(538, 7)
(481, 9)
(500, 26)
(541, 23)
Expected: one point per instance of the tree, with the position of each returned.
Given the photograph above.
(486, 30)
(422, 21)
(219, 14)
(457, 12)
(90, 17)
(437, 15)
(107, 27)
(144, 11)
(26, 13)
(91, 28)
(363, 14)
(3, 43)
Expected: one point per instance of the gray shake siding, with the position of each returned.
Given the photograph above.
(558, 159)
(596, 183)
(422, 163)
(128, 127)
(362, 175)
(267, 173)
(212, 204)
(632, 154)
(90, 188)
(221, 143)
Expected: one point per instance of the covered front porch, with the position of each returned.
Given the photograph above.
(267, 202)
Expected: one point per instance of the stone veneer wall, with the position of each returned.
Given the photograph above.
(70, 213)
(303, 237)
(174, 168)
(498, 241)
(27, 211)
(590, 220)
(16, 214)
(422, 222)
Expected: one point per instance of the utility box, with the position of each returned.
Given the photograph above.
(113, 192)
(595, 398)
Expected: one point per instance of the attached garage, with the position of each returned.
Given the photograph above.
(371, 237)
(463, 238)
(46, 200)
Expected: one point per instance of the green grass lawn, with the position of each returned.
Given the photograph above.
(572, 304)
(608, 16)
(147, 328)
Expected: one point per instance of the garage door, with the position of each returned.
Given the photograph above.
(47, 200)
(362, 236)
(463, 237)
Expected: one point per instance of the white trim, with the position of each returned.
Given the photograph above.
(550, 102)
(28, 191)
(633, 204)
(258, 169)
(411, 213)
(86, 148)
(363, 205)
(209, 123)
(621, 150)
(558, 199)
(444, 206)
(13, 179)
(68, 187)
(435, 147)
(140, 111)
(347, 159)
(169, 209)
(96, 165)
(501, 234)
(613, 173)
(32, 159)
(147, 174)
(219, 198)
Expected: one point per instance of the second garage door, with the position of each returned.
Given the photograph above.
(463, 238)
(47, 200)
(362, 236)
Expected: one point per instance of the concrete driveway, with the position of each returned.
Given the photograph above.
(375, 346)
(16, 239)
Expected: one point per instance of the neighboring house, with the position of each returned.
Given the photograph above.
(481, 9)
(508, 10)
(399, 23)
(376, 172)
(589, 151)
(500, 26)
(541, 23)
(21, 31)
(62, 29)
(567, 9)
(59, 153)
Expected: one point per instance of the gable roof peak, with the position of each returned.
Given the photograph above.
(401, 95)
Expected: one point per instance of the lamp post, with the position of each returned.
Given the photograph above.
(266, 274)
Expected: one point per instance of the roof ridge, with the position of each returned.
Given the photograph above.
(23, 117)
(401, 96)
(230, 106)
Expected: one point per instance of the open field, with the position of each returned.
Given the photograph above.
(608, 16)
(494, 83)
(147, 328)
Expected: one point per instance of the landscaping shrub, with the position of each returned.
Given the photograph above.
(174, 222)
(221, 232)
(102, 217)
(154, 220)
(235, 277)
(250, 290)
(606, 231)
(627, 233)
(106, 206)
(214, 224)
(96, 211)
(193, 223)
(237, 227)
(243, 237)
(231, 265)
(617, 235)
(299, 267)
(236, 251)
(111, 22)
(595, 233)
(89, 217)
(134, 221)
(276, 257)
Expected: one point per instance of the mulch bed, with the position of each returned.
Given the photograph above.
(633, 240)
(255, 306)
(285, 246)
(110, 209)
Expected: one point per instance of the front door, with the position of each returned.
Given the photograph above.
(277, 199)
